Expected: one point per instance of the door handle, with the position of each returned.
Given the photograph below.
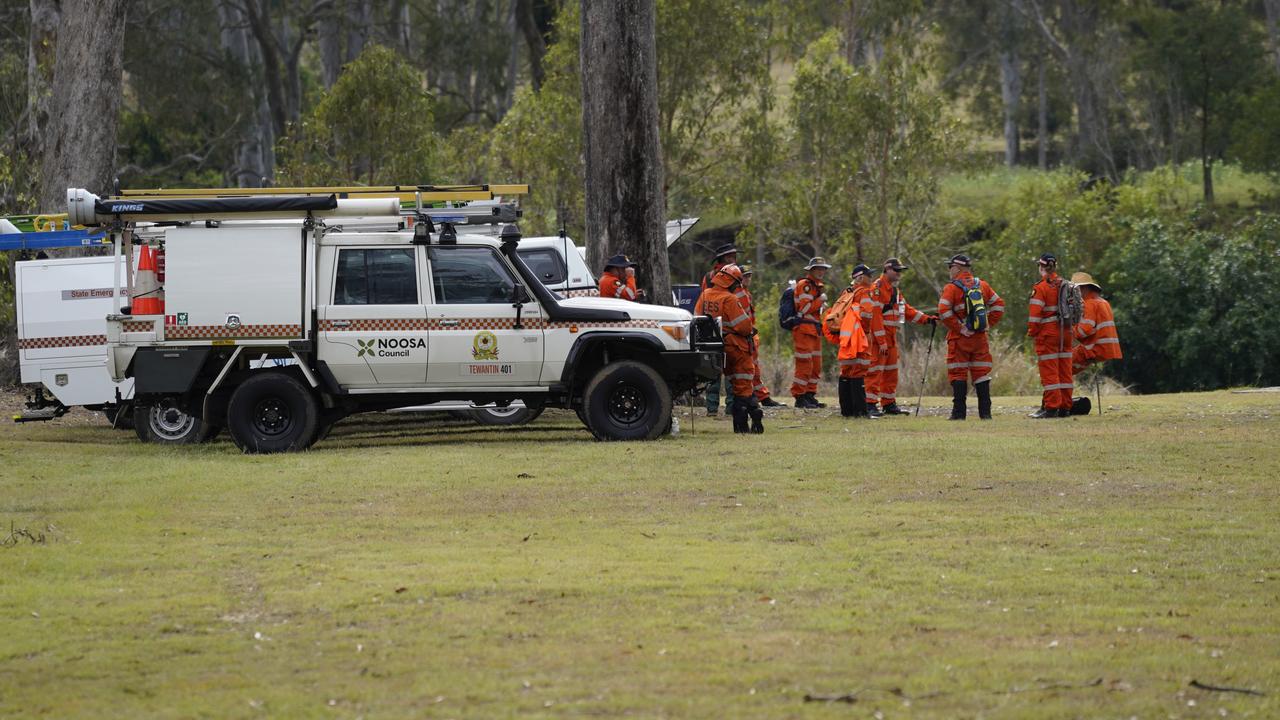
(340, 323)
(450, 323)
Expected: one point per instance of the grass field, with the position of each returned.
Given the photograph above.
(406, 567)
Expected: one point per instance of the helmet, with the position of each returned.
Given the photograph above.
(727, 276)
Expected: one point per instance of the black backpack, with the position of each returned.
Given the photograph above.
(787, 317)
(975, 306)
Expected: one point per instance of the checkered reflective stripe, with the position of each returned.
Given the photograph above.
(63, 341)
(377, 325)
(580, 292)
(138, 326)
(621, 325)
(472, 324)
(219, 332)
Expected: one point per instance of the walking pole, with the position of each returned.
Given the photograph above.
(924, 376)
(1097, 384)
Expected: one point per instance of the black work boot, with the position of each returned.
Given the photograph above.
(893, 409)
(845, 388)
(873, 409)
(813, 401)
(802, 402)
(984, 399)
(740, 417)
(861, 408)
(770, 402)
(1043, 413)
(959, 393)
(757, 416)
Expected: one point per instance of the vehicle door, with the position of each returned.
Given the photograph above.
(373, 331)
(477, 335)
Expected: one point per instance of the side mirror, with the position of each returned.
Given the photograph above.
(520, 295)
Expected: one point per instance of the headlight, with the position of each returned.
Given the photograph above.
(679, 331)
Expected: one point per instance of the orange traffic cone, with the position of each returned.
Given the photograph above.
(146, 291)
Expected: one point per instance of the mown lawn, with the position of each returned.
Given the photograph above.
(410, 567)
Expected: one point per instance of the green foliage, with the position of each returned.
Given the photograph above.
(864, 152)
(374, 126)
(540, 140)
(1256, 140)
(1192, 305)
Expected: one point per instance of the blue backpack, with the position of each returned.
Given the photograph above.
(975, 306)
(787, 317)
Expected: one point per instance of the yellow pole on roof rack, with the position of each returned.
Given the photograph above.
(406, 193)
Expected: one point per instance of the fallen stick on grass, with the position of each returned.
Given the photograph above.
(1216, 688)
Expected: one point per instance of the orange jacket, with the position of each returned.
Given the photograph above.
(734, 321)
(1043, 318)
(871, 312)
(613, 286)
(951, 305)
(744, 298)
(809, 304)
(849, 338)
(1096, 331)
(895, 308)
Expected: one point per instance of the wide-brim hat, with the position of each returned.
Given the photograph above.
(619, 261)
(817, 262)
(962, 260)
(726, 249)
(746, 269)
(895, 264)
(1083, 278)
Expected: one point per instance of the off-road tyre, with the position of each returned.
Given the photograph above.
(507, 416)
(273, 412)
(627, 400)
(163, 421)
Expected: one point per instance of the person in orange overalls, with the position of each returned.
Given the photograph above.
(968, 352)
(842, 326)
(726, 254)
(761, 391)
(721, 301)
(810, 298)
(619, 279)
(1096, 337)
(895, 311)
(1052, 342)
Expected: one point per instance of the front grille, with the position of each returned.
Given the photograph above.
(704, 331)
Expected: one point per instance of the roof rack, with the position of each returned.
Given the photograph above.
(405, 193)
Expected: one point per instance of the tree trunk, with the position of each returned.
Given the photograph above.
(330, 48)
(255, 153)
(623, 153)
(1010, 96)
(533, 39)
(359, 21)
(41, 46)
(1272, 8)
(84, 105)
(1042, 128)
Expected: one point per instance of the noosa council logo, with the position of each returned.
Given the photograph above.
(365, 348)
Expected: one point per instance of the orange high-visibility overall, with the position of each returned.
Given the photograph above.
(805, 339)
(739, 367)
(620, 287)
(968, 358)
(1096, 335)
(1052, 342)
(895, 311)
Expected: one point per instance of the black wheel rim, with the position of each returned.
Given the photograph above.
(272, 417)
(627, 404)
